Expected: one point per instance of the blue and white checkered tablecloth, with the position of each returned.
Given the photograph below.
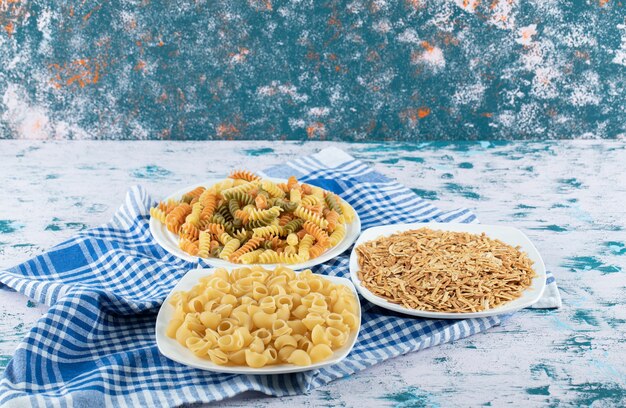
(96, 345)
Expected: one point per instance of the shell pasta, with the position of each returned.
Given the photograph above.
(256, 317)
(245, 219)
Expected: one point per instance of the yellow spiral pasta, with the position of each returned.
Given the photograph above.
(158, 214)
(271, 256)
(268, 214)
(204, 244)
(267, 231)
(230, 247)
(272, 188)
(256, 317)
(305, 245)
(337, 235)
(194, 216)
(307, 215)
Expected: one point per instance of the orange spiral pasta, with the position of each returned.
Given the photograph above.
(273, 242)
(209, 203)
(176, 217)
(167, 206)
(316, 209)
(193, 194)
(188, 246)
(252, 244)
(320, 235)
(189, 231)
(332, 217)
(213, 246)
(292, 182)
(261, 202)
(284, 219)
(242, 215)
(215, 229)
(306, 189)
(244, 175)
(316, 250)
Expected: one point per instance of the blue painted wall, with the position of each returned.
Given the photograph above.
(343, 70)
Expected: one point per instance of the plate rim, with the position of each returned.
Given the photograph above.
(161, 323)
(353, 231)
(540, 271)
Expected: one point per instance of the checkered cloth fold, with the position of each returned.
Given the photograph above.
(96, 344)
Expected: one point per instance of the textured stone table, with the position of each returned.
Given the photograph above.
(569, 197)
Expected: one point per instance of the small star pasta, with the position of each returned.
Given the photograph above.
(249, 220)
(256, 317)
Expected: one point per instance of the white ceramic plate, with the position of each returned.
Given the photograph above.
(509, 235)
(169, 241)
(171, 349)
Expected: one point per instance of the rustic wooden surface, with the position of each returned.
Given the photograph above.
(569, 197)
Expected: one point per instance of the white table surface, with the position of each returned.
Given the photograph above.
(569, 197)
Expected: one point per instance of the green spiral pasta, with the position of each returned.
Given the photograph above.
(284, 205)
(242, 188)
(233, 207)
(242, 198)
(293, 226)
(242, 235)
(259, 223)
(333, 203)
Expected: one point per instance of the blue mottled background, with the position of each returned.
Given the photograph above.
(334, 70)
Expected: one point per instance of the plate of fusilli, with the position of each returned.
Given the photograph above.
(248, 220)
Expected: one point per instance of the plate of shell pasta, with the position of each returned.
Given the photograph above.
(252, 320)
(247, 220)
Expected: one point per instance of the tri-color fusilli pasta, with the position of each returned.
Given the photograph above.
(249, 220)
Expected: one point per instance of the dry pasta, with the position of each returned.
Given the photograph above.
(267, 220)
(443, 271)
(257, 317)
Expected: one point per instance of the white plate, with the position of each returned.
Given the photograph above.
(509, 235)
(169, 241)
(171, 349)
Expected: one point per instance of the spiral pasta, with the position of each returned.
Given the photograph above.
(230, 247)
(268, 220)
(244, 175)
(256, 317)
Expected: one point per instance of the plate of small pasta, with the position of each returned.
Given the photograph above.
(252, 320)
(246, 219)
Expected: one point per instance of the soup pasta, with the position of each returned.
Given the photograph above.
(256, 317)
